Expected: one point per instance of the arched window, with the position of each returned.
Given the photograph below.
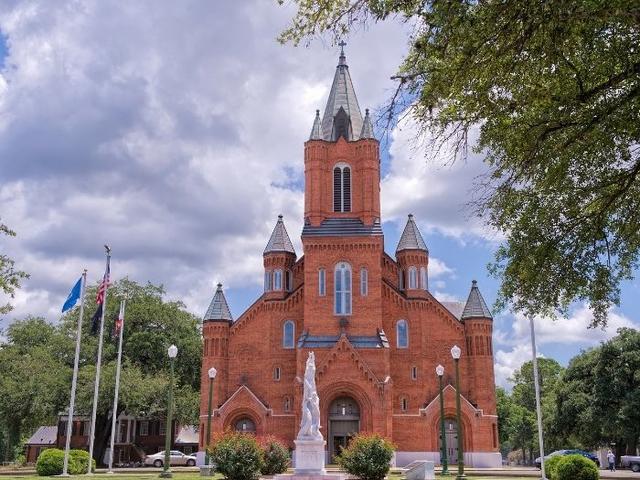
(322, 286)
(404, 404)
(267, 280)
(424, 281)
(287, 404)
(288, 334)
(288, 276)
(277, 279)
(402, 334)
(342, 289)
(342, 188)
(276, 374)
(364, 282)
(401, 279)
(413, 278)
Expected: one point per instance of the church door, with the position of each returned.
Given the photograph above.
(344, 423)
(451, 435)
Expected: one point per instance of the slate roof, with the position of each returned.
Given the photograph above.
(45, 435)
(456, 308)
(279, 241)
(411, 238)
(341, 227)
(343, 95)
(328, 341)
(316, 130)
(219, 308)
(475, 306)
(367, 126)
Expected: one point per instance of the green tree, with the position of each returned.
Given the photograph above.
(553, 90)
(598, 399)
(10, 278)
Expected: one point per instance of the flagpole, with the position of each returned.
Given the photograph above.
(114, 410)
(74, 381)
(536, 386)
(96, 387)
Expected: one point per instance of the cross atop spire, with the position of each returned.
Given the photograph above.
(342, 44)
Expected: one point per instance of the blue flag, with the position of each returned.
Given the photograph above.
(73, 297)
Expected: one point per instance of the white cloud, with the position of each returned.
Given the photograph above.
(507, 362)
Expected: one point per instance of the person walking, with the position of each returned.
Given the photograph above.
(611, 458)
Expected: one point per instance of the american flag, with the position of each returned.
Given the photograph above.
(103, 287)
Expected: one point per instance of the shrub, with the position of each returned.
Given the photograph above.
(576, 467)
(50, 462)
(275, 456)
(551, 467)
(367, 457)
(79, 461)
(237, 456)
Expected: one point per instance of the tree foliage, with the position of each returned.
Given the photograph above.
(10, 277)
(553, 89)
(36, 362)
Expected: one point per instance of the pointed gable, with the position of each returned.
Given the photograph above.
(475, 306)
(219, 308)
(279, 241)
(342, 95)
(411, 238)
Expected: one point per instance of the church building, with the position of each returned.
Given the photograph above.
(377, 331)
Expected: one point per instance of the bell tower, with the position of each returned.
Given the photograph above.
(342, 234)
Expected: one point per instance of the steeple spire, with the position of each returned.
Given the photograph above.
(342, 116)
(316, 130)
(218, 309)
(411, 238)
(279, 241)
(475, 306)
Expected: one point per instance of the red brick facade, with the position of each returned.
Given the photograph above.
(393, 391)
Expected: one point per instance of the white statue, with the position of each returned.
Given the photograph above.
(310, 423)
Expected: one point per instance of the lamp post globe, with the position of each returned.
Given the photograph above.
(456, 353)
(212, 373)
(172, 352)
(443, 440)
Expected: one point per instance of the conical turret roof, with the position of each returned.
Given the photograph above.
(343, 96)
(367, 126)
(411, 238)
(475, 306)
(219, 308)
(316, 130)
(279, 241)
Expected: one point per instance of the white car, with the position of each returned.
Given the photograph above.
(177, 458)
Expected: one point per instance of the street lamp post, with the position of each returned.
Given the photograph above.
(212, 374)
(455, 353)
(166, 473)
(443, 440)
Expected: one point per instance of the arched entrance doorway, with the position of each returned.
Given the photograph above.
(244, 425)
(344, 423)
(451, 435)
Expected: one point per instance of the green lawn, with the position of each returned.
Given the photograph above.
(196, 475)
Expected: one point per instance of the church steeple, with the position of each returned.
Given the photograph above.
(342, 116)
(218, 308)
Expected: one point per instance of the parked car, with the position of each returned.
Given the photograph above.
(574, 451)
(177, 458)
(630, 461)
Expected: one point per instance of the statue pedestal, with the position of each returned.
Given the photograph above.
(309, 455)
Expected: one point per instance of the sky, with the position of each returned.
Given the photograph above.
(175, 134)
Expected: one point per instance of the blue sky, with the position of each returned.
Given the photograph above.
(177, 137)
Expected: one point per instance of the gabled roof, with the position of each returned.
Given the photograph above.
(279, 241)
(475, 306)
(45, 435)
(367, 126)
(411, 238)
(316, 130)
(218, 309)
(342, 95)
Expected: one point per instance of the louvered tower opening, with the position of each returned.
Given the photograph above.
(337, 189)
(346, 189)
(342, 189)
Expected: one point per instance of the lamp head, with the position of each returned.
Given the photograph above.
(212, 373)
(456, 352)
(440, 370)
(172, 351)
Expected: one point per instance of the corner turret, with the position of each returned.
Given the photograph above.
(412, 256)
(279, 257)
